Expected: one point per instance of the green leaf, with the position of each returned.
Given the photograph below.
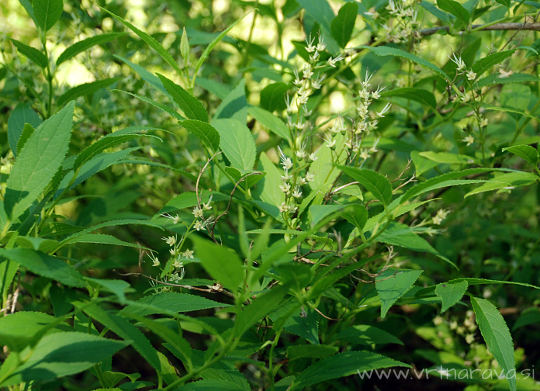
(62, 354)
(446, 157)
(45, 265)
(47, 12)
(270, 121)
(320, 212)
(20, 328)
(392, 284)
(85, 44)
(204, 131)
(417, 94)
(149, 40)
(525, 152)
(487, 62)
(21, 114)
(234, 105)
(221, 263)
(377, 184)
(191, 107)
(343, 364)
(273, 96)
(295, 352)
(38, 162)
(237, 143)
(31, 53)
(172, 112)
(100, 239)
(390, 51)
(125, 330)
(343, 24)
(270, 191)
(450, 293)
(28, 130)
(455, 9)
(85, 89)
(363, 334)
(169, 303)
(148, 77)
(506, 181)
(529, 316)
(118, 287)
(496, 335)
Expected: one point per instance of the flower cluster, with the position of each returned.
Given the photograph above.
(403, 22)
(462, 68)
(200, 222)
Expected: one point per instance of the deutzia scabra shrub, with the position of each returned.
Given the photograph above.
(269, 195)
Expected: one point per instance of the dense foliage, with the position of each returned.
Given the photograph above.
(281, 195)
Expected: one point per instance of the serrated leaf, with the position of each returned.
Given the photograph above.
(45, 265)
(85, 89)
(237, 143)
(450, 293)
(20, 328)
(204, 131)
(341, 365)
(62, 354)
(496, 335)
(295, 352)
(343, 24)
(221, 263)
(191, 107)
(21, 114)
(392, 284)
(86, 44)
(446, 157)
(31, 53)
(525, 152)
(47, 12)
(377, 184)
(38, 162)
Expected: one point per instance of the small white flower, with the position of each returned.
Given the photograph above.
(154, 259)
(170, 240)
(385, 109)
(207, 206)
(198, 212)
(283, 208)
(307, 72)
(309, 177)
(312, 157)
(300, 154)
(469, 139)
(199, 225)
(503, 73)
(286, 162)
(364, 154)
(321, 46)
(297, 193)
(188, 254)
(330, 142)
(332, 61)
(178, 264)
(440, 216)
(285, 187)
(471, 75)
(459, 62)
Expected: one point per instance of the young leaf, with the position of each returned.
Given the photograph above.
(20, 115)
(343, 364)
(191, 107)
(47, 12)
(237, 143)
(450, 293)
(149, 40)
(342, 25)
(45, 265)
(38, 161)
(525, 152)
(204, 131)
(85, 44)
(496, 335)
(62, 354)
(221, 263)
(31, 53)
(377, 184)
(392, 284)
(85, 89)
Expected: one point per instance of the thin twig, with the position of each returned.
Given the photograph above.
(479, 27)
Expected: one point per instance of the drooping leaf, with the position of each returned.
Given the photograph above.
(45, 265)
(62, 354)
(496, 335)
(85, 89)
(86, 44)
(450, 293)
(341, 365)
(525, 152)
(47, 12)
(38, 162)
(221, 263)
(34, 55)
(392, 284)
